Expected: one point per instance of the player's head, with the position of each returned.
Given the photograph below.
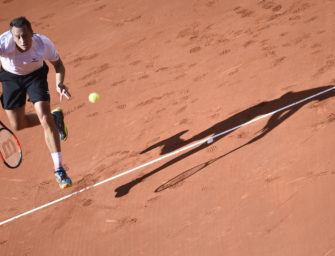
(22, 33)
(20, 22)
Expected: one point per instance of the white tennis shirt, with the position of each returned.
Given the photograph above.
(23, 63)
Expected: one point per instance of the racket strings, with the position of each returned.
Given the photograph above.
(9, 148)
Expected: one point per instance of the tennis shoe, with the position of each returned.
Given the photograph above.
(63, 180)
(59, 120)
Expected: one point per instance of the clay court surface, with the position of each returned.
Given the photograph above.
(171, 73)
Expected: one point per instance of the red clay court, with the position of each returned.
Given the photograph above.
(171, 74)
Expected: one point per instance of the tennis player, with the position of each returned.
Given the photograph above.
(24, 72)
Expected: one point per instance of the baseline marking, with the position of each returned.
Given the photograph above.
(163, 157)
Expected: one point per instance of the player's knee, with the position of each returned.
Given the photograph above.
(46, 121)
(17, 126)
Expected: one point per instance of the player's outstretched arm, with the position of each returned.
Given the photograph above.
(60, 75)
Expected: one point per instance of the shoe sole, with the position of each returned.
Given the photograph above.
(65, 128)
(67, 185)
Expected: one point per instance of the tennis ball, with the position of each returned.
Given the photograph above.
(93, 97)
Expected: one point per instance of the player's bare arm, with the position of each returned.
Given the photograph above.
(60, 75)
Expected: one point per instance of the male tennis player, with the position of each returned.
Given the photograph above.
(23, 71)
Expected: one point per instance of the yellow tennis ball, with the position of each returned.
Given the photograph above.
(93, 97)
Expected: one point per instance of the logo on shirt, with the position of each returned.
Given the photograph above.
(34, 60)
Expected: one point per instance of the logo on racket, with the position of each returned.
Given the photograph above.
(8, 148)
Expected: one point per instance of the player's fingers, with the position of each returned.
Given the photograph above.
(63, 91)
(67, 94)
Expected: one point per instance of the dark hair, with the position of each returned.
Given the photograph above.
(20, 22)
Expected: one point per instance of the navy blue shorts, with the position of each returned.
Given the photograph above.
(16, 87)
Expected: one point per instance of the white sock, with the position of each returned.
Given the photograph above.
(57, 159)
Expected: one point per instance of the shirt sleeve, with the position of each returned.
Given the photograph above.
(1, 46)
(6, 43)
(50, 52)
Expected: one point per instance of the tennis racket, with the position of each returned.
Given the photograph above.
(10, 149)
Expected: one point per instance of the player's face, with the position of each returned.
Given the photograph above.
(23, 38)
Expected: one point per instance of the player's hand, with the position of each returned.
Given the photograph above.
(63, 91)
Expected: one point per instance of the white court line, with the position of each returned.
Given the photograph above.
(163, 157)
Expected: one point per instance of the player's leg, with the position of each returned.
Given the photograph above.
(52, 140)
(38, 91)
(47, 121)
(36, 86)
(19, 120)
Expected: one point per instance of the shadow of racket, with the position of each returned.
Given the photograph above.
(190, 172)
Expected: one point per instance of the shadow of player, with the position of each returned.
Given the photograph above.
(176, 142)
